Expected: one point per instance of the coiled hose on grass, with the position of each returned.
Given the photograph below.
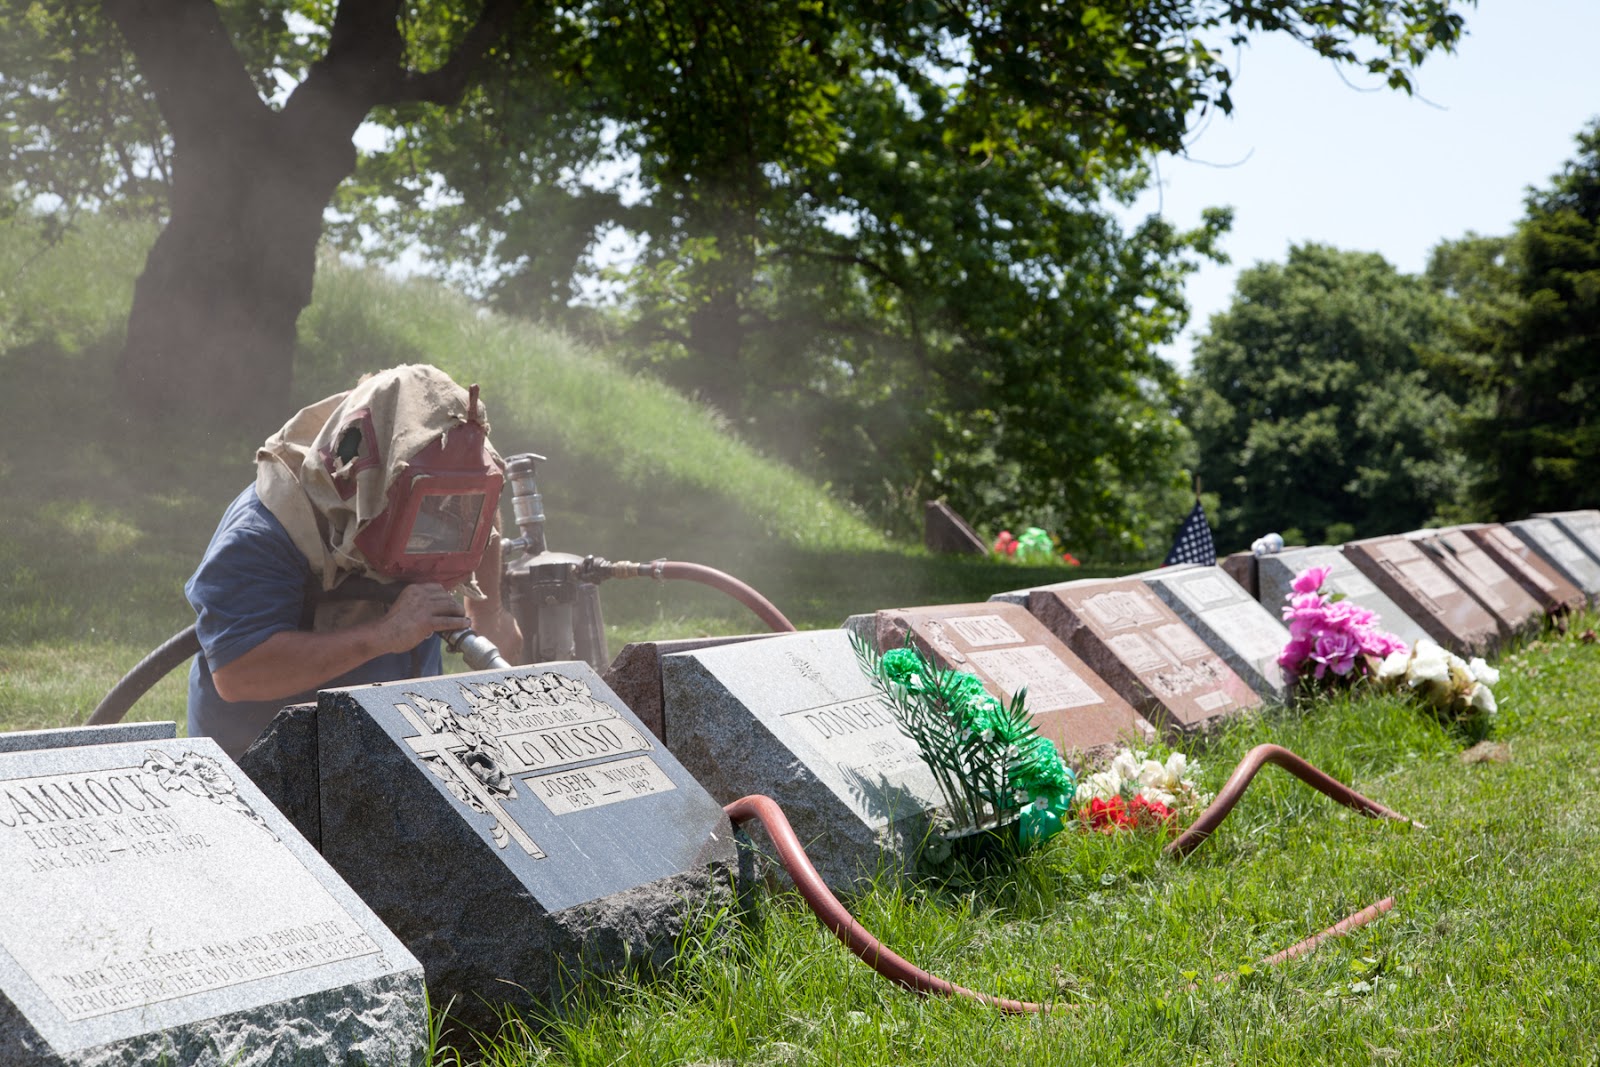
(837, 919)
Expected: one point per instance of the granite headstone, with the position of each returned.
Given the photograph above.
(159, 910)
(946, 533)
(1123, 631)
(1582, 526)
(1539, 579)
(1278, 572)
(795, 717)
(1235, 625)
(1552, 544)
(1244, 568)
(1009, 650)
(1423, 589)
(1513, 609)
(635, 675)
(516, 829)
(73, 736)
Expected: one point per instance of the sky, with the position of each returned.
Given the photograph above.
(1307, 156)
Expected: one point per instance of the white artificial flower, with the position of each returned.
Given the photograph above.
(1483, 699)
(1152, 773)
(1430, 664)
(1102, 785)
(1125, 764)
(1154, 795)
(1178, 769)
(1394, 666)
(1482, 672)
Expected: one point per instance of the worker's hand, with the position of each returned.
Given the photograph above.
(418, 611)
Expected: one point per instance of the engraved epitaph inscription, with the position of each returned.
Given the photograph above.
(1120, 609)
(547, 732)
(984, 631)
(1051, 684)
(860, 737)
(1209, 590)
(1248, 631)
(175, 847)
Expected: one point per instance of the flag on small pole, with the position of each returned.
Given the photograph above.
(1193, 544)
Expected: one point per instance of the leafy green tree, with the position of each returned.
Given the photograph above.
(738, 117)
(1314, 405)
(1529, 329)
(875, 236)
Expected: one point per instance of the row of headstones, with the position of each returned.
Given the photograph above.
(502, 833)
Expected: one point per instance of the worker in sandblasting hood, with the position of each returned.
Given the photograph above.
(393, 481)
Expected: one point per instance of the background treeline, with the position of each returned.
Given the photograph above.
(1342, 398)
(881, 241)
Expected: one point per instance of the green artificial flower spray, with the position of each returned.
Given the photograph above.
(989, 762)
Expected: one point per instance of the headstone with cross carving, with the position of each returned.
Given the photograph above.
(157, 909)
(516, 829)
(796, 717)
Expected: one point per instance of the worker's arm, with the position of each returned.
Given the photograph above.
(295, 661)
(489, 615)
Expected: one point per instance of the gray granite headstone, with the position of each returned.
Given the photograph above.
(1278, 571)
(1247, 636)
(635, 675)
(158, 910)
(73, 736)
(795, 717)
(1556, 548)
(946, 533)
(1582, 526)
(516, 829)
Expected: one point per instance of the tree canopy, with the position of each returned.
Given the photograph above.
(875, 235)
(1316, 406)
(1529, 330)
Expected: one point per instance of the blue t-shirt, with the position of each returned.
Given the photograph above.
(251, 584)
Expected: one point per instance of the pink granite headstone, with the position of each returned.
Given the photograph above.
(1539, 579)
(1445, 611)
(1148, 655)
(1008, 649)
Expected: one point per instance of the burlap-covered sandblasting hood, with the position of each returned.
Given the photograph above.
(327, 473)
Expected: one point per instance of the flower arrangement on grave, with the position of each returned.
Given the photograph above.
(988, 760)
(1456, 690)
(1331, 639)
(1035, 547)
(1136, 792)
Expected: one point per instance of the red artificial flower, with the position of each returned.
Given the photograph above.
(1005, 544)
(1107, 816)
(1069, 559)
(1149, 812)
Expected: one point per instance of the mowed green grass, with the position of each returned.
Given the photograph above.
(1487, 956)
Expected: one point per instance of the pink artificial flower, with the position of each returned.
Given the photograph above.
(1311, 580)
(1337, 651)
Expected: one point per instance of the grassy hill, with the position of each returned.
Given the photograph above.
(105, 518)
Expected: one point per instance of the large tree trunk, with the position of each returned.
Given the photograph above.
(212, 332)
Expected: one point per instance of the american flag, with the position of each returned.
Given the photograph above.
(1194, 544)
